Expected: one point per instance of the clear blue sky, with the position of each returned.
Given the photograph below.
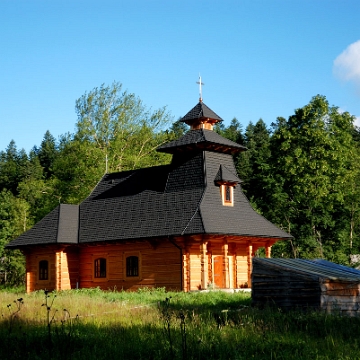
(258, 59)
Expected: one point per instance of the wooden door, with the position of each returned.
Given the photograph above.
(218, 271)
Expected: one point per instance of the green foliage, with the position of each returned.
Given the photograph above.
(253, 164)
(120, 126)
(311, 162)
(47, 153)
(232, 132)
(214, 325)
(177, 129)
(304, 176)
(12, 167)
(13, 221)
(115, 132)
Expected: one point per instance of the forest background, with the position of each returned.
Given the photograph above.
(301, 173)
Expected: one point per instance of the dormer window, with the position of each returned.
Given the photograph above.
(227, 181)
(227, 194)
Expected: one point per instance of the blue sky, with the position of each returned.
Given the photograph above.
(257, 59)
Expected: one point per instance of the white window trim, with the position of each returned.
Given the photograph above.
(223, 194)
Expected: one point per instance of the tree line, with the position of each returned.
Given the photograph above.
(301, 173)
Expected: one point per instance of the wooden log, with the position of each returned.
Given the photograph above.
(225, 264)
(249, 262)
(204, 265)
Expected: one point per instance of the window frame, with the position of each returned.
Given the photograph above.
(131, 254)
(100, 266)
(40, 270)
(97, 256)
(132, 266)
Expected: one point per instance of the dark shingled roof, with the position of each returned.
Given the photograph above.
(202, 139)
(59, 226)
(182, 198)
(200, 111)
(169, 200)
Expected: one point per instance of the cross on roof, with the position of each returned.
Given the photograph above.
(200, 89)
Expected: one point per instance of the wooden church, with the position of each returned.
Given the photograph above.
(184, 226)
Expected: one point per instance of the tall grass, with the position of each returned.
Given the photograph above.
(154, 324)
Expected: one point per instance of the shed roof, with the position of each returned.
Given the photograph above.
(317, 268)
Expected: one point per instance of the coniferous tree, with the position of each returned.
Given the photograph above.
(47, 153)
(12, 167)
(253, 164)
(311, 159)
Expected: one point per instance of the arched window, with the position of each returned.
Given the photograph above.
(132, 266)
(43, 270)
(100, 268)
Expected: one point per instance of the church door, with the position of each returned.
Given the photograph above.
(218, 271)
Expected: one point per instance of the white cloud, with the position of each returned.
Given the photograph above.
(357, 121)
(347, 64)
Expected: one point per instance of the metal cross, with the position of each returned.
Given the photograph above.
(200, 90)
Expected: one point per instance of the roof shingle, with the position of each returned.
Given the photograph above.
(199, 111)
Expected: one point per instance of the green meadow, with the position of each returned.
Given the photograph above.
(155, 324)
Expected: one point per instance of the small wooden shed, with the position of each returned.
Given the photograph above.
(298, 283)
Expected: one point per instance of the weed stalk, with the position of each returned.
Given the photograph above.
(166, 315)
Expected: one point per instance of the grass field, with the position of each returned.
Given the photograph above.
(154, 324)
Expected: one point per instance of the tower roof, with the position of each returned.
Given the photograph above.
(200, 111)
(204, 140)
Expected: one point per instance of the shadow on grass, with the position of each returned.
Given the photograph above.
(186, 326)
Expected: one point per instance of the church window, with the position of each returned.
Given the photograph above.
(100, 268)
(43, 270)
(227, 194)
(132, 266)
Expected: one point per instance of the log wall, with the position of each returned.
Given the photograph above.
(291, 289)
(186, 264)
(63, 269)
(241, 269)
(72, 254)
(159, 265)
(195, 267)
(236, 264)
(341, 297)
(33, 257)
